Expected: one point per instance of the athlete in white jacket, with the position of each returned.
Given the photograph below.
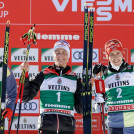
(119, 88)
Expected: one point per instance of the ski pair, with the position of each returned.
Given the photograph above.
(87, 70)
(21, 85)
(4, 78)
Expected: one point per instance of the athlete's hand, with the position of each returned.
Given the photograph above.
(92, 80)
(99, 98)
(7, 113)
(25, 66)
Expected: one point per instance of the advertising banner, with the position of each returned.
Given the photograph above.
(63, 20)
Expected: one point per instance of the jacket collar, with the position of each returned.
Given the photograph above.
(123, 66)
(60, 70)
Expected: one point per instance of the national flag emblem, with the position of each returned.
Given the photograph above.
(129, 67)
(59, 81)
(24, 120)
(24, 52)
(117, 77)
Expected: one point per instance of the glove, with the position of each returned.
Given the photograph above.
(99, 98)
(98, 67)
(7, 113)
(97, 107)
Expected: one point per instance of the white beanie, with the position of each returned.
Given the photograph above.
(62, 44)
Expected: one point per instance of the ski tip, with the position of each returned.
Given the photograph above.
(91, 9)
(85, 5)
(8, 23)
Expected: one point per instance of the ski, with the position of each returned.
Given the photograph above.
(4, 77)
(87, 71)
(86, 121)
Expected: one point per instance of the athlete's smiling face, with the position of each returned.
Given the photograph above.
(116, 57)
(61, 57)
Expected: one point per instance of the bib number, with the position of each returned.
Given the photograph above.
(119, 90)
(58, 96)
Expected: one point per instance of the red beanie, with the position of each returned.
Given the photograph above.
(112, 45)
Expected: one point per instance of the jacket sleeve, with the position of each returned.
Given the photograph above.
(32, 87)
(11, 89)
(77, 95)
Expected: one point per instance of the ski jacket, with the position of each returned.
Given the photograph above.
(119, 87)
(59, 96)
(11, 88)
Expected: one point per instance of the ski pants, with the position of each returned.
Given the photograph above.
(126, 130)
(115, 130)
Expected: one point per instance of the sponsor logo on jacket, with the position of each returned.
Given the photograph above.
(118, 84)
(58, 87)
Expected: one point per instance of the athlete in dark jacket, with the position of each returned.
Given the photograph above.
(59, 93)
(11, 93)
